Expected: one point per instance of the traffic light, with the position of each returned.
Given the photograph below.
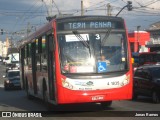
(1, 31)
(129, 5)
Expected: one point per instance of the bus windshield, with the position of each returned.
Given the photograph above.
(82, 53)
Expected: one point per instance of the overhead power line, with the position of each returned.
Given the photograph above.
(147, 4)
(56, 7)
(46, 7)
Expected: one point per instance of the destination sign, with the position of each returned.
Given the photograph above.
(89, 25)
(81, 25)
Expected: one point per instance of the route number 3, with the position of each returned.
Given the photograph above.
(97, 37)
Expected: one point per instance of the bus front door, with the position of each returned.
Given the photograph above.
(33, 50)
(51, 69)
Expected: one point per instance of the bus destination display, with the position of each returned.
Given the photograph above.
(89, 25)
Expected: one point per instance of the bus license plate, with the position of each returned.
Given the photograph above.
(99, 97)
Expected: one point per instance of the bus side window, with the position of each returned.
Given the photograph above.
(43, 55)
(51, 44)
(27, 53)
(38, 60)
(38, 53)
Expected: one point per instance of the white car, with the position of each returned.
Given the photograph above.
(12, 80)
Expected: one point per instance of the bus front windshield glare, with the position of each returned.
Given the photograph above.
(93, 53)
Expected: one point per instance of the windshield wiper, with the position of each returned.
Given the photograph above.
(80, 38)
(84, 42)
(106, 36)
(89, 47)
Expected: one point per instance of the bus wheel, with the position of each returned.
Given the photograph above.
(30, 97)
(106, 104)
(45, 99)
(155, 97)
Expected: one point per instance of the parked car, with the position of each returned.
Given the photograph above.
(147, 82)
(12, 79)
(11, 66)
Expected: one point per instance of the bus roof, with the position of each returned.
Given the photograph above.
(47, 27)
(89, 17)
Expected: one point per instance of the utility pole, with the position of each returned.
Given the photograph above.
(28, 28)
(11, 42)
(138, 28)
(108, 9)
(82, 8)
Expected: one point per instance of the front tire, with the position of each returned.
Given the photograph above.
(106, 104)
(30, 97)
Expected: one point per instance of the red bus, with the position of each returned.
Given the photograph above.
(60, 63)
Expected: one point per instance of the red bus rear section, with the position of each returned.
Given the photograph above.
(61, 62)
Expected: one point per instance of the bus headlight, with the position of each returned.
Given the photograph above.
(8, 82)
(66, 84)
(126, 80)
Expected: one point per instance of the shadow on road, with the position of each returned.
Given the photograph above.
(144, 99)
(16, 100)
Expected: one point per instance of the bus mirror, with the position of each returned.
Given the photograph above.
(132, 59)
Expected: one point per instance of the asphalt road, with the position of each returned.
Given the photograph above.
(16, 100)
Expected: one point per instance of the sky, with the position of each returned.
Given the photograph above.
(16, 16)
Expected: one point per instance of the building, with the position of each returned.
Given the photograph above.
(4, 47)
(1, 48)
(138, 40)
(154, 43)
